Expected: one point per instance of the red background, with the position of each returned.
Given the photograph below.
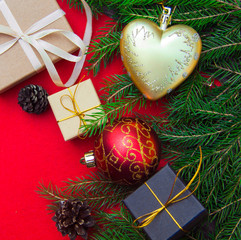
(32, 149)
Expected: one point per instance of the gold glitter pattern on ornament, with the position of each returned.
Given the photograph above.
(157, 59)
(135, 150)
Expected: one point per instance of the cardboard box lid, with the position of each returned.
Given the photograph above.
(14, 64)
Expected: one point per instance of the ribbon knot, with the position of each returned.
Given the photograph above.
(82, 115)
(25, 37)
(32, 38)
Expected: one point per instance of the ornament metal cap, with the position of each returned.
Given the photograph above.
(88, 159)
(165, 18)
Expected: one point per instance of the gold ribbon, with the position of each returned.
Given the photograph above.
(76, 110)
(149, 217)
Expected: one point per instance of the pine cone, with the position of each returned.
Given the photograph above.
(33, 99)
(73, 218)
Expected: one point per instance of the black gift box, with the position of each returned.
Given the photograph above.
(187, 213)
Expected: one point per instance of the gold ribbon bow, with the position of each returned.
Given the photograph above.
(149, 217)
(76, 110)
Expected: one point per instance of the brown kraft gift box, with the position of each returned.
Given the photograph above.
(14, 64)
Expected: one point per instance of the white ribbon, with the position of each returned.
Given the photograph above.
(33, 38)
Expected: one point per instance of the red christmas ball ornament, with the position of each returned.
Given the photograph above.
(127, 151)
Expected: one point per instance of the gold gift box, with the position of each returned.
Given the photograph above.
(14, 64)
(85, 99)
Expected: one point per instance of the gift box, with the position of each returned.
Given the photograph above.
(174, 220)
(15, 66)
(72, 106)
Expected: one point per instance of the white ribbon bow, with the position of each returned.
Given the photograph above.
(33, 37)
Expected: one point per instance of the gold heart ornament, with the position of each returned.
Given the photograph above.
(158, 60)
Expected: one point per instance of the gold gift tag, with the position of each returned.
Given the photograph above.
(159, 59)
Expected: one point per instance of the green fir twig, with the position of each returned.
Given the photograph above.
(120, 220)
(98, 191)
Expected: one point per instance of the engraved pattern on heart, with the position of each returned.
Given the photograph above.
(158, 61)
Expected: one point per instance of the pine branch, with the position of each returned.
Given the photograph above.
(229, 28)
(201, 18)
(120, 220)
(155, 121)
(235, 5)
(118, 87)
(109, 28)
(51, 193)
(118, 92)
(207, 3)
(221, 47)
(215, 113)
(236, 227)
(190, 93)
(226, 69)
(96, 5)
(224, 207)
(99, 192)
(108, 113)
(229, 74)
(213, 49)
(204, 17)
(128, 14)
(123, 3)
(103, 50)
(232, 231)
